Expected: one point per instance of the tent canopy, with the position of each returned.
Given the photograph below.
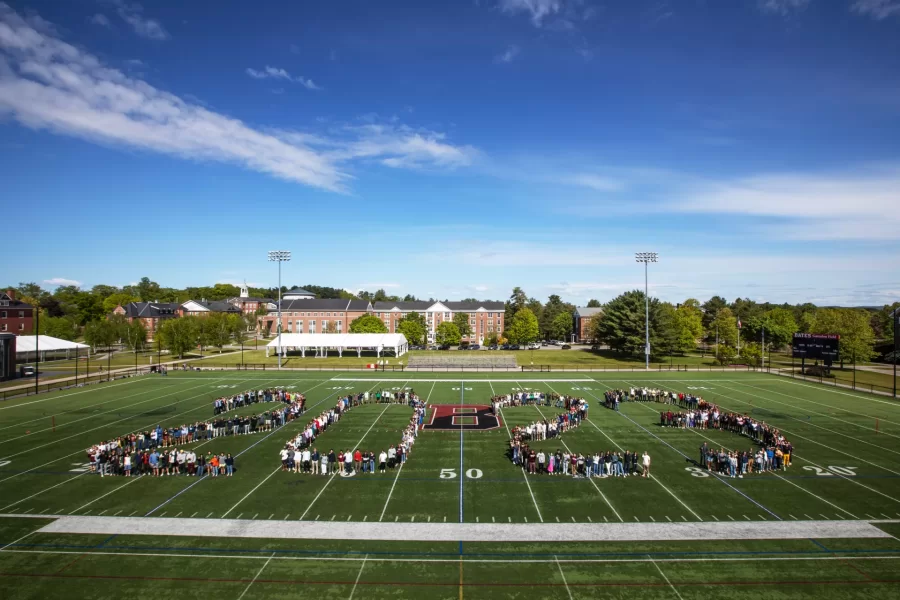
(396, 342)
(26, 343)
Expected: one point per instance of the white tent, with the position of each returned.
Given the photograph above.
(321, 342)
(25, 344)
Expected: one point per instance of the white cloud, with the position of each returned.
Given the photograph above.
(877, 9)
(782, 7)
(277, 73)
(537, 9)
(857, 205)
(100, 20)
(592, 181)
(132, 13)
(479, 288)
(507, 57)
(62, 281)
(47, 84)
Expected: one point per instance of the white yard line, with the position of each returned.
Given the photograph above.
(358, 575)
(831, 406)
(81, 452)
(813, 424)
(70, 394)
(129, 482)
(236, 556)
(332, 477)
(71, 479)
(664, 577)
(591, 479)
(400, 470)
(563, 575)
(826, 388)
(527, 483)
(656, 479)
(255, 577)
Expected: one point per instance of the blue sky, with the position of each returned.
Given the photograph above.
(459, 148)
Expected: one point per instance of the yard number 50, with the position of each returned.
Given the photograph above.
(451, 473)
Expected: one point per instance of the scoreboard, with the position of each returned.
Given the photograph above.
(817, 346)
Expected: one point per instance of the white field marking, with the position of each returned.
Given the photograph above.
(853, 456)
(591, 479)
(730, 517)
(786, 480)
(793, 517)
(826, 388)
(257, 514)
(178, 515)
(850, 479)
(477, 520)
(100, 514)
(400, 470)
(330, 479)
(82, 451)
(65, 412)
(117, 512)
(264, 438)
(89, 416)
(673, 448)
(715, 517)
(46, 509)
(286, 517)
(71, 479)
(272, 515)
(652, 519)
(467, 380)
(104, 425)
(524, 476)
(831, 406)
(656, 479)
(746, 517)
(810, 518)
(653, 562)
(358, 575)
(849, 437)
(239, 516)
(669, 518)
(71, 394)
(456, 560)
(193, 515)
(684, 518)
(160, 516)
(365, 518)
(823, 516)
(14, 542)
(589, 519)
(255, 577)
(563, 575)
(493, 519)
(129, 482)
(132, 513)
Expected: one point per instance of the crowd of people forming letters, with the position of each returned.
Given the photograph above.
(299, 455)
(773, 451)
(161, 451)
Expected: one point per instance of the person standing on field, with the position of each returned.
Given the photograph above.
(645, 461)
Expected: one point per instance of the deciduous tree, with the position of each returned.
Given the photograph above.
(461, 320)
(524, 328)
(447, 333)
(368, 324)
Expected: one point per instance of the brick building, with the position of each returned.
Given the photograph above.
(149, 313)
(485, 318)
(7, 356)
(201, 308)
(249, 304)
(312, 315)
(583, 316)
(15, 316)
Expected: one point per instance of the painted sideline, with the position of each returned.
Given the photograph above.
(467, 532)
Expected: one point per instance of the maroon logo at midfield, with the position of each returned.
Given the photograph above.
(466, 417)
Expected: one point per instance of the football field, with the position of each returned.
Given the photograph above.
(458, 519)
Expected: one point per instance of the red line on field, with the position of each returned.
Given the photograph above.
(441, 584)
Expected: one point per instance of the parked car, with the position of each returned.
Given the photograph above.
(433, 347)
(534, 346)
(444, 347)
(474, 347)
(506, 347)
(515, 347)
(493, 347)
(565, 347)
(463, 347)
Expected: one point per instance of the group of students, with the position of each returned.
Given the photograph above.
(160, 450)
(300, 456)
(543, 429)
(773, 450)
(598, 464)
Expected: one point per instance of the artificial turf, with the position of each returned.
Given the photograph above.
(846, 466)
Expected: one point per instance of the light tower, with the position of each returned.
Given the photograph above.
(646, 258)
(279, 256)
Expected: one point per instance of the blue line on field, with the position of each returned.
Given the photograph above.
(109, 539)
(472, 554)
(717, 476)
(822, 546)
(461, 548)
(462, 400)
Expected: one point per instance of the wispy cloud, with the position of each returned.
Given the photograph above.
(877, 9)
(538, 10)
(101, 20)
(46, 83)
(376, 286)
(511, 52)
(782, 7)
(277, 73)
(133, 14)
(61, 281)
(855, 205)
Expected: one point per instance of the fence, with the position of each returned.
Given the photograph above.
(67, 384)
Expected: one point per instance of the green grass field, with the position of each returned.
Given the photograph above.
(846, 472)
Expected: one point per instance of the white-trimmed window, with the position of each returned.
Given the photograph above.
(2, 314)
(21, 326)
(21, 314)
(340, 325)
(290, 327)
(3, 327)
(312, 326)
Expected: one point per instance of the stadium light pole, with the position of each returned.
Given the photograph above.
(279, 256)
(896, 334)
(646, 258)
